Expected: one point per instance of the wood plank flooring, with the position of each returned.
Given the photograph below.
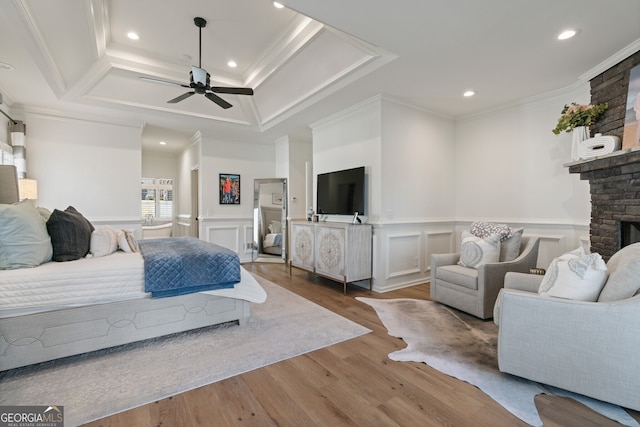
(349, 384)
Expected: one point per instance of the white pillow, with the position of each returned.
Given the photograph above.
(104, 241)
(476, 251)
(575, 277)
(24, 240)
(127, 241)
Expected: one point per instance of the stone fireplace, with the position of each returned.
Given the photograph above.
(615, 199)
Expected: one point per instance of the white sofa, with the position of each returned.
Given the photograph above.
(591, 348)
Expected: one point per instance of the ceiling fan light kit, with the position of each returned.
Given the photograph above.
(199, 79)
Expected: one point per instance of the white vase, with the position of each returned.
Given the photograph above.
(578, 134)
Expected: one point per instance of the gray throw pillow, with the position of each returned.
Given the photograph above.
(624, 274)
(510, 248)
(70, 234)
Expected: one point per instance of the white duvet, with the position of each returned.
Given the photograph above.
(88, 281)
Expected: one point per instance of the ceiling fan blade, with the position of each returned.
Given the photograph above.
(181, 97)
(232, 90)
(215, 98)
(165, 82)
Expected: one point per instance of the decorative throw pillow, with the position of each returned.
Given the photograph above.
(551, 274)
(510, 247)
(70, 234)
(104, 241)
(127, 241)
(476, 251)
(487, 229)
(575, 277)
(24, 241)
(624, 274)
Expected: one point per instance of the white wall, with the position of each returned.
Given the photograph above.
(429, 177)
(418, 164)
(349, 139)
(509, 166)
(231, 226)
(91, 165)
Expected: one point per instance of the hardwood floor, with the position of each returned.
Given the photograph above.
(349, 384)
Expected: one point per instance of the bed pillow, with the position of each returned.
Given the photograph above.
(70, 234)
(127, 241)
(104, 241)
(24, 241)
(476, 251)
(576, 277)
(275, 227)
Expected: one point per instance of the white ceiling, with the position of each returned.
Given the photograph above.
(73, 57)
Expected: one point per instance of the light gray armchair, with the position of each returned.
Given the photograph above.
(589, 348)
(474, 291)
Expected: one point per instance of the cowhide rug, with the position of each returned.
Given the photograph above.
(465, 348)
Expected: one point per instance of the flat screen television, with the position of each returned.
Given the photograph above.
(341, 192)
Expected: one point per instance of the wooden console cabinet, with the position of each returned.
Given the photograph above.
(338, 251)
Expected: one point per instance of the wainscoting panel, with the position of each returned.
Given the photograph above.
(226, 236)
(438, 242)
(406, 254)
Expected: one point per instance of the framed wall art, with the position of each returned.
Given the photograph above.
(631, 136)
(229, 189)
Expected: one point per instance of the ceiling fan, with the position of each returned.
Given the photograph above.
(199, 80)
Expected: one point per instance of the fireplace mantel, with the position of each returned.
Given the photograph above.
(617, 158)
(614, 182)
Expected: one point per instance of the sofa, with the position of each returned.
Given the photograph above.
(587, 347)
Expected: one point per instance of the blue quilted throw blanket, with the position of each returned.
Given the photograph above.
(182, 265)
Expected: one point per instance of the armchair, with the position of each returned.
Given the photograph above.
(475, 291)
(589, 348)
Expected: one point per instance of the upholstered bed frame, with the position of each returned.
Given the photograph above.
(40, 337)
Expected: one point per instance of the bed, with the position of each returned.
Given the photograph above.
(58, 309)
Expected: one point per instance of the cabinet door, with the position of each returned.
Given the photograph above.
(330, 251)
(302, 240)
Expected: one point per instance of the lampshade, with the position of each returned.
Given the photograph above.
(28, 188)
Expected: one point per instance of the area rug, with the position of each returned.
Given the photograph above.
(105, 382)
(465, 348)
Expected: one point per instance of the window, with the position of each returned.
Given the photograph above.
(157, 198)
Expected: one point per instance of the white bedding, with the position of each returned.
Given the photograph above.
(88, 281)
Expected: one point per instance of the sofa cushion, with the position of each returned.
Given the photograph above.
(575, 277)
(476, 251)
(624, 274)
(463, 276)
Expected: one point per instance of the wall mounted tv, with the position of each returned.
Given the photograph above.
(341, 192)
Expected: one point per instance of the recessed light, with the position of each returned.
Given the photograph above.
(278, 5)
(232, 64)
(162, 143)
(567, 34)
(469, 93)
(133, 36)
(5, 66)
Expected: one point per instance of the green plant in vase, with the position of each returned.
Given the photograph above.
(576, 115)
